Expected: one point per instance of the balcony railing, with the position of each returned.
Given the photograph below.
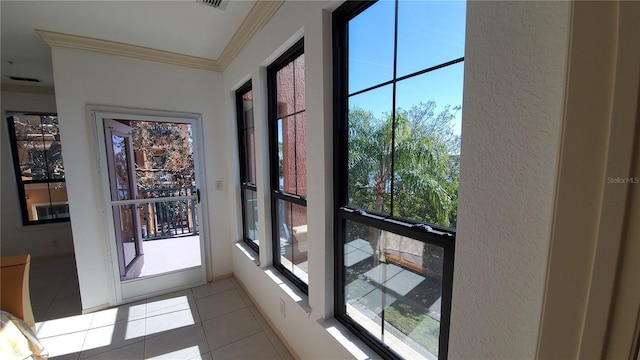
(170, 218)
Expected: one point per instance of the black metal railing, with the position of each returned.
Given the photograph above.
(169, 218)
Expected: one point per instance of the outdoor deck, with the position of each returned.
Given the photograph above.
(166, 255)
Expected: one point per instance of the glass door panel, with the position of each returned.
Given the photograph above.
(154, 199)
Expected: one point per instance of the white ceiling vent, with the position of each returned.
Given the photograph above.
(218, 4)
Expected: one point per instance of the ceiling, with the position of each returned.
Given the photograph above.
(180, 26)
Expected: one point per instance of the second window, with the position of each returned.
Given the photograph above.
(288, 154)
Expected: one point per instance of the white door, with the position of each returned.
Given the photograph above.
(150, 168)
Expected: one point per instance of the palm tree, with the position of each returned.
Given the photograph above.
(420, 154)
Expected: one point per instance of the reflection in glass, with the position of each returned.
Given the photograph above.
(251, 215)
(290, 87)
(371, 46)
(393, 288)
(298, 78)
(46, 201)
(291, 220)
(126, 226)
(430, 33)
(369, 174)
(292, 159)
(121, 167)
(249, 136)
(38, 147)
(164, 158)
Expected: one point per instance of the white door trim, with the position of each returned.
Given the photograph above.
(99, 112)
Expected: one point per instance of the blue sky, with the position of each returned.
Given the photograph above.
(429, 33)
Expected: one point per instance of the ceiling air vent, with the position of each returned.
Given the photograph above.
(218, 4)
(26, 79)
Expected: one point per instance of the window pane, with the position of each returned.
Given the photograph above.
(393, 288)
(163, 154)
(54, 159)
(291, 222)
(371, 46)
(121, 167)
(285, 90)
(249, 136)
(28, 127)
(46, 201)
(32, 158)
(429, 33)
(427, 146)
(50, 129)
(126, 226)
(298, 73)
(292, 154)
(251, 215)
(369, 142)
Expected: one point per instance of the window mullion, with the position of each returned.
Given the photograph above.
(393, 112)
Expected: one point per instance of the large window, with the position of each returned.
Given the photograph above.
(398, 95)
(246, 140)
(37, 158)
(287, 128)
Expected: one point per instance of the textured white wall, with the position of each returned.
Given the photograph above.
(293, 20)
(512, 114)
(89, 78)
(37, 240)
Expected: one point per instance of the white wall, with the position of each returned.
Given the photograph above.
(83, 78)
(513, 105)
(292, 21)
(37, 240)
(515, 62)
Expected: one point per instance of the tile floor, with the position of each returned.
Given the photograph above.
(214, 321)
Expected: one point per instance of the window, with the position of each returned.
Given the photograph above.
(398, 69)
(37, 158)
(246, 141)
(287, 129)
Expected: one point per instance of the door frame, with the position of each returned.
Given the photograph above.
(124, 293)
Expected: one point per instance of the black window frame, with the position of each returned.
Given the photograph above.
(18, 172)
(276, 194)
(440, 236)
(245, 184)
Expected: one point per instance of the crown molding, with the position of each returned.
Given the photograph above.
(76, 42)
(258, 16)
(28, 89)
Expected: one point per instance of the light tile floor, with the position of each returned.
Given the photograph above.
(214, 321)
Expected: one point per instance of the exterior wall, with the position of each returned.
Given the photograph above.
(37, 240)
(88, 78)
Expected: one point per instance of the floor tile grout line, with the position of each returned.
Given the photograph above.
(227, 313)
(119, 346)
(235, 341)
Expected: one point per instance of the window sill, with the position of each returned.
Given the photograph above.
(295, 294)
(44, 227)
(248, 252)
(349, 341)
(280, 280)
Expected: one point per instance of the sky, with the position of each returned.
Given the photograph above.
(429, 33)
